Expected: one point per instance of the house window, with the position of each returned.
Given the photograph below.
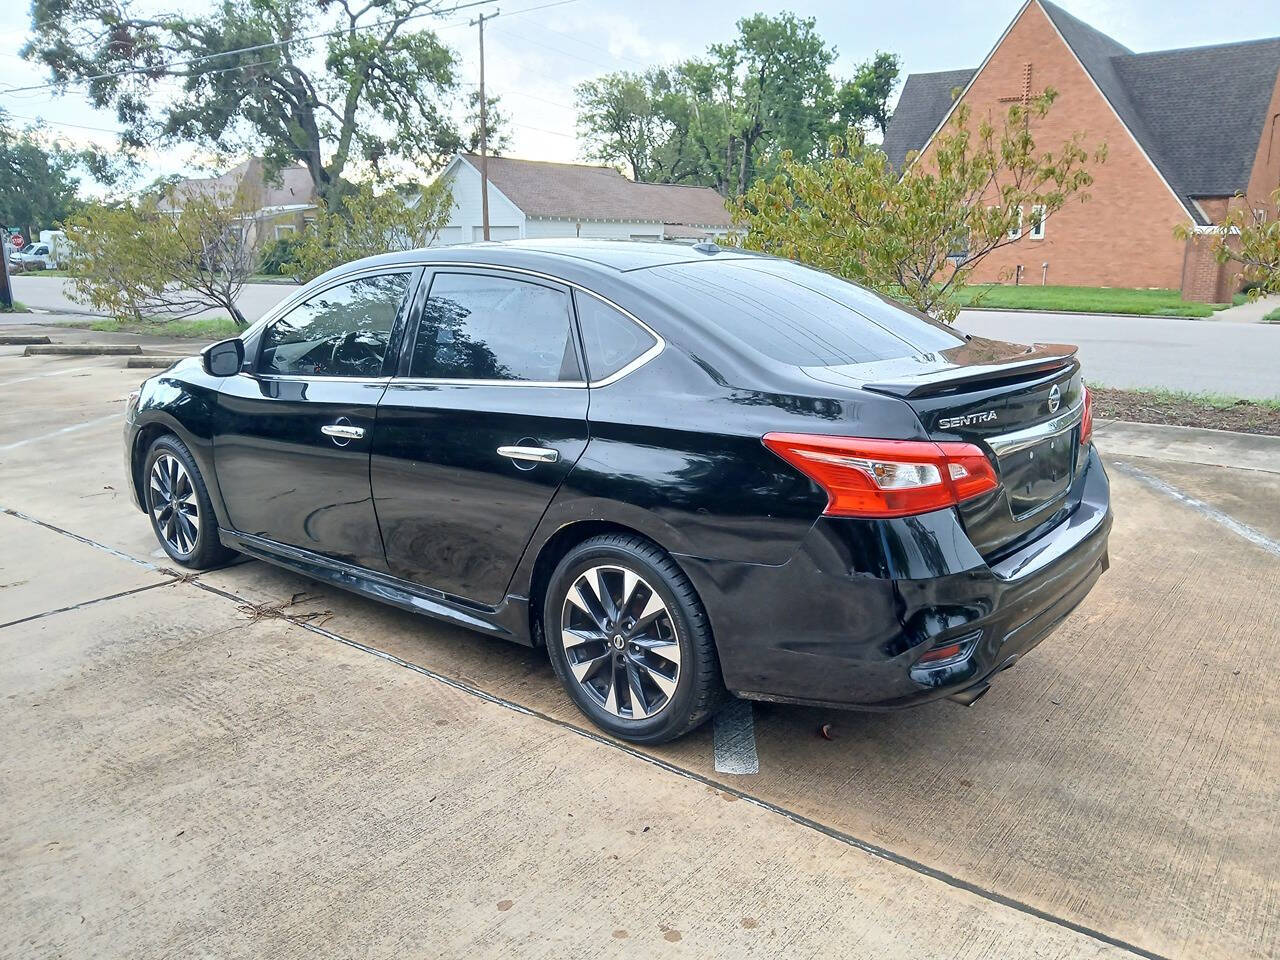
(1259, 214)
(284, 229)
(1037, 222)
(1016, 230)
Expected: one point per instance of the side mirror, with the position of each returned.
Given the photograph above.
(223, 359)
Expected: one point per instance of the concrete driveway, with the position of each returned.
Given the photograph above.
(246, 763)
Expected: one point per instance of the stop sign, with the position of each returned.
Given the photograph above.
(17, 241)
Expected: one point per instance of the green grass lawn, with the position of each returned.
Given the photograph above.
(1273, 316)
(196, 328)
(1167, 303)
(18, 307)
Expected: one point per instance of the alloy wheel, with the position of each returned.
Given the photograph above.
(620, 642)
(174, 504)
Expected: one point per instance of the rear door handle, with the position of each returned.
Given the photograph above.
(343, 430)
(531, 454)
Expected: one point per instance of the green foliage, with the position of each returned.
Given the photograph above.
(1250, 241)
(280, 255)
(918, 236)
(381, 89)
(368, 223)
(724, 118)
(38, 178)
(138, 260)
(865, 99)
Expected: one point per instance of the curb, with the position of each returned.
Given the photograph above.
(22, 339)
(83, 349)
(1215, 448)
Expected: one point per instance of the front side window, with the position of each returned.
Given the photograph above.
(611, 340)
(479, 327)
(341, 332)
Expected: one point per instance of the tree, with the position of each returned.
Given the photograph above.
(376, 89)
(865, 98)
(497, 122)
(721, 118)
(39, 178)
(1250, 241)
(369, 223)
(139, 259)
(918, 236)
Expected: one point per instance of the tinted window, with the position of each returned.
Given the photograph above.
(611, 339)
(798, 315)
(479, 327)
(341, 332)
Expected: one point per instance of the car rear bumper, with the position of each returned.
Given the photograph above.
(846, 620)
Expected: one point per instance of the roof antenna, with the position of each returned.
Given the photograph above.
(706, 246)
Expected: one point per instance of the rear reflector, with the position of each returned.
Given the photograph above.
(886, 478)
(1086, 418)
(941, 653)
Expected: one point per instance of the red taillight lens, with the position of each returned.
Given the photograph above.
(1086, 419)
(886, 478)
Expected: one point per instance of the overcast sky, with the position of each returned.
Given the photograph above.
(534, 60)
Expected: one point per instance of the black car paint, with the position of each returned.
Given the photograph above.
(803, 607)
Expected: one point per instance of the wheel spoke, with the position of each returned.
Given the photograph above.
(576, 638)
(668, 650)
(611, 696)
(583, 596)
(664, 683)
(587, 668)
(639, 703)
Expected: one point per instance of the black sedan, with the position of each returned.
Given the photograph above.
(681, 470)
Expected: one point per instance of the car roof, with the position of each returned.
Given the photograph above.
(618, 255)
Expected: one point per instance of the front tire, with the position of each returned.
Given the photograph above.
(630, 641)
(179, 506)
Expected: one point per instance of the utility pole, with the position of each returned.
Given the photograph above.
(484, 132)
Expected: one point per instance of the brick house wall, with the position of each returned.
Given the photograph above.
(1123, 236)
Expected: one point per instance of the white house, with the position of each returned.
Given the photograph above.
(529, 199)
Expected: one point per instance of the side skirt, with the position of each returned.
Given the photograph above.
(508, 621)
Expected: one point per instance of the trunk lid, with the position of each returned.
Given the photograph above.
(1021, 405)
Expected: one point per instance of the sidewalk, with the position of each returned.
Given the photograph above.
(1249, 312)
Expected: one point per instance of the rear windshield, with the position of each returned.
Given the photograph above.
(798, 315)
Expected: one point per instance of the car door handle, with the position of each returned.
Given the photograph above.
(344, 430)
(532, 454)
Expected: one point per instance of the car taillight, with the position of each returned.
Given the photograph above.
(1086, 418)
(886, 478)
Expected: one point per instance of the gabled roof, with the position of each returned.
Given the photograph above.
(573, 190)
(1197, 112)
(291, 188)
(925, 100)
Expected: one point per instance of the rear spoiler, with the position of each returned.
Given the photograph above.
(1041, 358)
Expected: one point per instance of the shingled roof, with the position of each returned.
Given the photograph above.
(1197, 112)
(572, 190)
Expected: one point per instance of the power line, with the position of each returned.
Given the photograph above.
(192, 61)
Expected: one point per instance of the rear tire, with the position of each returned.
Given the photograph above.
(630, 641)
(178, 504)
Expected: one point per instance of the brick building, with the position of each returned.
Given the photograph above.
(1190, 133)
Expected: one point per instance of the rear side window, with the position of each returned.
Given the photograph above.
(611, 339)
(798, 315)
(339, 332)
(480, 327)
